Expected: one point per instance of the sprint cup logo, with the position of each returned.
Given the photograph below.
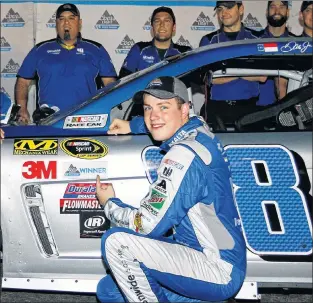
(252, 22)
(147, 25)
(203, 23)
(182, 41)
(125, 45)
(51, 22)
(12, 19)
(107, 21)
(5, 46)
(10, 69)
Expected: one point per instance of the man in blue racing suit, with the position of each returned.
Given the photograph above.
(205, 259)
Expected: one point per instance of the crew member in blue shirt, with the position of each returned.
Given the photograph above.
(67, 67)
(277, 14)
(231, 97)
(145, 54)
(306, 19)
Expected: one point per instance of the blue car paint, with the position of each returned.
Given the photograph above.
(121, 92)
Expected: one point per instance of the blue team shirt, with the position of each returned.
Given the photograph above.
(66, 77)
(238, 89)
(267, 89)
(145, 54)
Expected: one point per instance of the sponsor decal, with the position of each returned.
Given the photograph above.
(86, 170)
(149, 59)
(138, 222)
(182, 41)
(167, 172)
(84, 148)
(80, 191)
(268, 47)
(292, 46)
(156, 82)
(157, 199)
(85, 121)
(12, 19)
(161, 186)
(147, 26)
(203, 23)
(54, 51)
(131, 279)
(80, 51)
(252, 22)
(10, 69)
(92, 225)
(75, 206)
(107, 21)
(5, 45)
(39, 170)
(174, 164)
(149, 208)
(125, 45)
(35, 147)
(51, 21)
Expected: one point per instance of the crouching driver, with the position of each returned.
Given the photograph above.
(205, 260)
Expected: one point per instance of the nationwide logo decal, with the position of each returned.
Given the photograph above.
(125, 45)
(12, 19)
(182, 41)
(86, 170)
(54, 51)
(84, 148)
(252, 22)
(147, 26)
(5, 46)
(107, 21)
(35, 147)
(203, 23)
(10, 69)
(85, 121)
(268, 47)
(51, 22)
(157, 199)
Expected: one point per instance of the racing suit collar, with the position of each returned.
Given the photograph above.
(270, 35)
(184, 132)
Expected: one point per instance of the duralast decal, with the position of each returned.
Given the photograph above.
(35, 147)
(84, 148)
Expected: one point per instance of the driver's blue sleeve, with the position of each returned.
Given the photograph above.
(137, 125)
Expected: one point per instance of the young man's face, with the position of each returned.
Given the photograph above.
(163, 27)
(229, 16)
(164, 117)
(306, 17)
(277, 13)
(68, 26)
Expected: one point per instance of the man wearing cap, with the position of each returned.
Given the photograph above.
(66, 67)
(205, 258)
(306, 19)
(231, 97)
(145, 54)
(277, 14)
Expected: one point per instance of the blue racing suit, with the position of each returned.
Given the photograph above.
(205, 259)
(145, 54)
(267, 89)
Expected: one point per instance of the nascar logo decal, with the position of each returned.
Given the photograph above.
(84, 148)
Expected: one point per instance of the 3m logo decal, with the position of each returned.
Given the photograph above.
(35, 147)
(39, 170)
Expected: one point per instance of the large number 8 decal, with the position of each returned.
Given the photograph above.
(273, 210)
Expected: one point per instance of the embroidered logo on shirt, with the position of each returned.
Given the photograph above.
(54, 51)
(80, 51)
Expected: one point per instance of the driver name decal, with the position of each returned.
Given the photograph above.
(85, 121)
(294, 46)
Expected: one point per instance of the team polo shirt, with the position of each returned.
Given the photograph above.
(238, 89)
(304, 34)
(145, 54)
(267, 89)
(66, 77)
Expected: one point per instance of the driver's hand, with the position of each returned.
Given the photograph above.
(23, 116)
(1, 135)
(119, 127)
(104, 192)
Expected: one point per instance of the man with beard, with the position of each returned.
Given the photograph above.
(145, 54)
(305, 16)
(277, 15)
(67, 68)
(230, 97)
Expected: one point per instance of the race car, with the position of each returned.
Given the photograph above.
(51, 221)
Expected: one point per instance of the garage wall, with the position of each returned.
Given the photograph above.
(115, 24)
